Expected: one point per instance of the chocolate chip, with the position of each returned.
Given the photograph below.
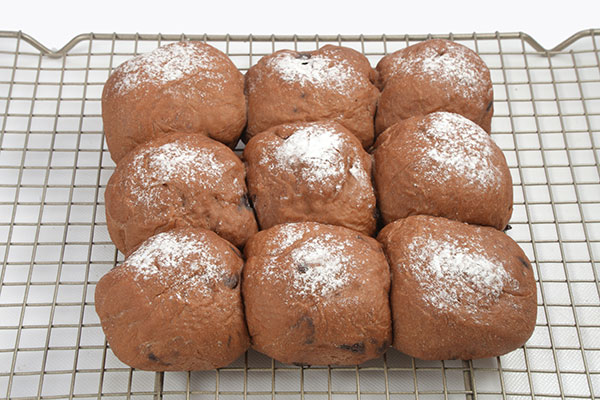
(231, 281)
(489, 106)
(384, 346)
(152, 357)
(524, 262)
(306, 322)
(304, 56)
(302, 268)
(302, 95)
(235, 250)
(244, 202)
(358, 348)
(376, 213)
(360, 237)
(508, 228)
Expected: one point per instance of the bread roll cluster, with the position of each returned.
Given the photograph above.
(366, 211)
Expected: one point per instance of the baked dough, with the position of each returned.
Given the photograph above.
(333, 83)
(434, 75)
(317, 294)
(459, 291)
(310, 171)
(175, 303)
(178, 181)
(180, 87)
(442, 165)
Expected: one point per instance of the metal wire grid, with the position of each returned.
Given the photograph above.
(54, 245)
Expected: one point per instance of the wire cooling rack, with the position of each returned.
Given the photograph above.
(54, 245)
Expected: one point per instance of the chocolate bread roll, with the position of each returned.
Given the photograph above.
(311, 171)
(181, 87)
(332, 83)
(316, 294)
(434, 75)
(175, 303)
(442, 165)
(178, 181)
(459, 291)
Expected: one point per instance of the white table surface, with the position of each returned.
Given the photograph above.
(55, 22)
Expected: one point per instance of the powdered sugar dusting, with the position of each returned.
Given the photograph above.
(166, 253)
(315, 70)
(457, 147)
(357, 170)
(166, 64)
(453, 67)
(171, 158)
(317, 266)
(322, 265)
(313, 153)
(286, 236)
(176, 160)
(455, 273)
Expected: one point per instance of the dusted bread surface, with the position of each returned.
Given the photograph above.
(332, 83)
(442, 165)
(317, 294)
(180, 87)
(311, 171)
(175, 303)
(459, 291)
(434, 75)
(178, 181)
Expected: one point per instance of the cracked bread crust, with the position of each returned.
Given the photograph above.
(178, 181)
(175, 303)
